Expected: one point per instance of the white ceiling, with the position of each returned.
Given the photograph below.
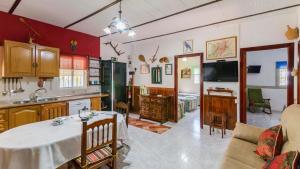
(65, 12)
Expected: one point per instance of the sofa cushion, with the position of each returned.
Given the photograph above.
(291, 128)
(289, 160)
(230, 163)
(247, 132)
(270, 143)
(241, 154)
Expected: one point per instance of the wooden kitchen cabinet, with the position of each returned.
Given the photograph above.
(3, 120)
(23, 115)
(47, 61)
(18, 59)
(96, 103)
(28, 60)
(53, 110)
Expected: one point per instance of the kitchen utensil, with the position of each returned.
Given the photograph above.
(4, 92)
(20, 89)
(16, 86)
(8, 84)
(12, 85)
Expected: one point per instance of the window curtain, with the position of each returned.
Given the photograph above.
(73, 62)
(66, 62)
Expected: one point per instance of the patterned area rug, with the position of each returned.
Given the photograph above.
(146, 125)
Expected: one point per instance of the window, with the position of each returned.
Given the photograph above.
(196, 74)
(281, 73)
(73, 72)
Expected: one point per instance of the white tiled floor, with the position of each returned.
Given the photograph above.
(185, 146)
(261, 119)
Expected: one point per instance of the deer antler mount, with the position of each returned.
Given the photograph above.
(115, 48)
(154, 58)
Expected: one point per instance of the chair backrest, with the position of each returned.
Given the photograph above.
(98, 135)
(122, 108)
(291, 128)
(255, 95)
(54, 110)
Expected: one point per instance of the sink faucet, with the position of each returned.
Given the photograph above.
(33, 96)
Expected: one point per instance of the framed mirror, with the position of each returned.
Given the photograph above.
(156, 74)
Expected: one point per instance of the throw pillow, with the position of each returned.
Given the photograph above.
(289, 160)
(270, 143)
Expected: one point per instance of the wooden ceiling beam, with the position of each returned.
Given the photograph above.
(14, 6)
(94, 13)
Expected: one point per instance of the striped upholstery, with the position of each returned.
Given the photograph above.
(97, 156)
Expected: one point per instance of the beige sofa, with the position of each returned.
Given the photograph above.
(240, 153)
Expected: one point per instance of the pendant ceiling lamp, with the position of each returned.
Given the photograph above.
(119, 24)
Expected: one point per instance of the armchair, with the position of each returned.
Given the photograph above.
(256, 100)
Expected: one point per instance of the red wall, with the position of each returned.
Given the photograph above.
(12, 29)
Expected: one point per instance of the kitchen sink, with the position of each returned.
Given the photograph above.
(44, 99)
(22, 102)
(47, 99)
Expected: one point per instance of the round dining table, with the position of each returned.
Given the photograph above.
(42, 145)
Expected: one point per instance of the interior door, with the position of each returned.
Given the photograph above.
(19, 59)
(47, 60)
(23, 115)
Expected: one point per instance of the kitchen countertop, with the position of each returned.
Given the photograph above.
(10, 104)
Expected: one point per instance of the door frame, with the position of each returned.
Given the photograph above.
(176, 84)
(243, 74)
(298, 88)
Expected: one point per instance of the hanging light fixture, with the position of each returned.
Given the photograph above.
(119, 24)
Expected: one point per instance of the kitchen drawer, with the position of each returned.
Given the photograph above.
(3, 126)
(3, 115)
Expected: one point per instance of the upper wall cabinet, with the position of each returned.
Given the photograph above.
(47, 61)
(28, 60)
(19, 59)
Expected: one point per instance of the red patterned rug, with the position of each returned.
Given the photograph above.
(146, 125)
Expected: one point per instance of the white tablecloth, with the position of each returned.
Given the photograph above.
(43, 146)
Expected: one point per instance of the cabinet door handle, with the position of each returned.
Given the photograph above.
(34, 65)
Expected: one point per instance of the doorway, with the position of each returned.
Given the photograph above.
(188, 81)
(256, 86)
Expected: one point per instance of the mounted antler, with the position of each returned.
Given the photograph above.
(154, 58)
(118, 52)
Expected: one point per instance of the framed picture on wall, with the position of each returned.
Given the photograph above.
(188, 46)
(186, 73)
(145, 69)
(168, 69)
(221, 48)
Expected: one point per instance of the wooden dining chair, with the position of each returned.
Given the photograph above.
(122, 108)
(54, 110)
(98, 145)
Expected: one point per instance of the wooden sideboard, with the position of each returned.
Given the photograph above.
(221, 104)
(154, 91)
(155, 107)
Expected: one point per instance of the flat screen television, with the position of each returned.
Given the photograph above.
(254, 69)
(221, 71)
